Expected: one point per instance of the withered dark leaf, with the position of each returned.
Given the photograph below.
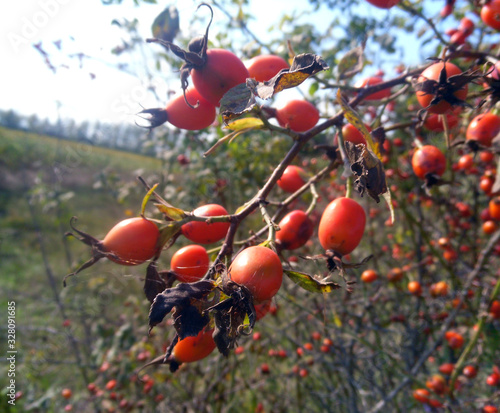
(229, 316)
(368, 169)
(228, 325)
(308, 63)
(189, 320)
(221, 332)
(241, 99)
(179, 296)
(432, 180)
(191, 58)
(358, 264)
(428, 86)
(303, 66)
(98, 251)
(236, 101)
(153, 284)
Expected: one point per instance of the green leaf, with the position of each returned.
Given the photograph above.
(309, 283)
(313, 88)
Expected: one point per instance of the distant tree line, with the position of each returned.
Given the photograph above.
(117, 136)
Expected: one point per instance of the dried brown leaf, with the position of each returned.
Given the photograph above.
(368, 169)
(181, 297)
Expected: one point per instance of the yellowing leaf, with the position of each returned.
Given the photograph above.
(354, 119)
(337, 321)
(242, 207)
(173, 213)
(309, 283)
(387, 197)
(245, 123)
(146, 198)
(241, 98)
(303, 66)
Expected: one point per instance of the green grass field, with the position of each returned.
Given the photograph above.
(44, 182)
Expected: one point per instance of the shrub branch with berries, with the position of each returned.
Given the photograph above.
(214, 299)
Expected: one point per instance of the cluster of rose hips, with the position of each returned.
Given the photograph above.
(259, 268)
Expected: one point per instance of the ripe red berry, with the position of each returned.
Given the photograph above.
(259, 269)
(446, 368)
(470, 372)
(190, 263)
(421, 395)
(298, 115)
(131, 241)
(222, 71)
(433, 73)
(265, 67)
(342, 225)
(206, 232)
(493, 379)
(490, 14)
(182, 116)
(384, 4)
(369, 276)
(428, 160)
(292, 179)
(295, 230)
(66, 393)
(483, 128)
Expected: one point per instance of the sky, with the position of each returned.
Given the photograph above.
(96, 89)
(29, 86)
